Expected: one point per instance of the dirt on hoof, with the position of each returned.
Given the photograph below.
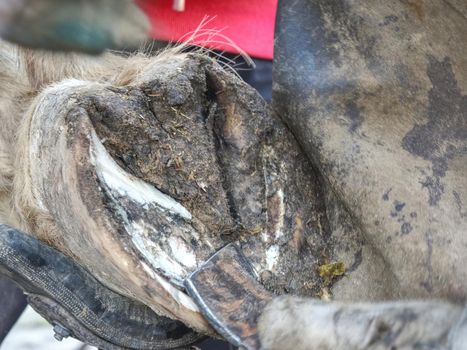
(206, 139)
(158, 175)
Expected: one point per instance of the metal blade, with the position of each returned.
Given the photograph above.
(227, 293)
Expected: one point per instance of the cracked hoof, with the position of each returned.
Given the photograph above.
(142, 183)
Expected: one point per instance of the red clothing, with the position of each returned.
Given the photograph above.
(247, 23)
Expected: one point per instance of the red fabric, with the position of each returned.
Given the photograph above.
(248, 23)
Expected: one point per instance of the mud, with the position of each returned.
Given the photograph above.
(204, 138)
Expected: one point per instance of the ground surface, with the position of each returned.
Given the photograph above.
(32, 332)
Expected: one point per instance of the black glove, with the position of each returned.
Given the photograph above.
(78, 305)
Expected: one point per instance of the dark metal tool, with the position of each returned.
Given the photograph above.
(229, 296)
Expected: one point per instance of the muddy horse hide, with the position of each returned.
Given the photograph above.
(135, 170)
(376, 94)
